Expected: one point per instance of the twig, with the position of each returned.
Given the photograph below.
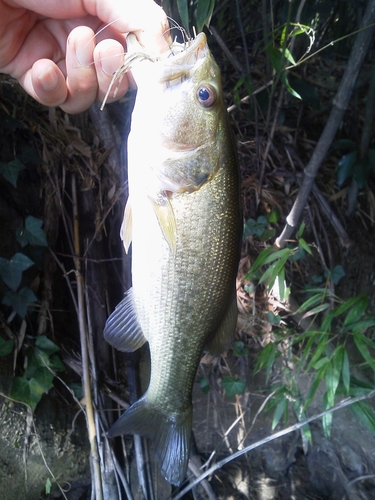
(340, 103)
(272, 437)
(331, 217)
(226, 51)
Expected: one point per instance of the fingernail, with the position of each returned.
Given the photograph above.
(110, 60)
(84, 55)
(48, 78)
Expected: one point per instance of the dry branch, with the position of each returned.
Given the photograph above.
(272, 437)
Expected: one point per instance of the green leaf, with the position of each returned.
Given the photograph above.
(362, 170)
(306, 91)
(204, 384)
(345, 167)
(204, 13)
(365, 412)
(250, 288)
(320, 348)
(363, 325)
(45, 344)
(11, 270)
(346, 371)
(276, 269)
(239, 349)
(183, 10)
(41, 374)
(11, 170)
(233, 386)
(328, 417)
(256, 227)
(327, 321)
(56, 364)
(302, 243)
(348, 304)
(78, 390)
(321, 362)
(332, 377)
(300, 230)
(314, 386)
(19, 300)
(48, 486)
(306, 350)
(311, 302)
(363, 349)
(32, 233)
(357, 309)
(336, 274)
(6, 346)
(266, 359)
(273, 216)
(279, 412)
(27, 391)
(273, 319)
(345, 145)
(267, 234)
(298, 254)
(316, 310)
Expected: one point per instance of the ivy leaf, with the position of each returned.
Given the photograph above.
(11, 270)
(6, 346)
(336, 274)
(256, 227)
(41, 374)
(19, 300)
(27, 391)
(78, 390)
(11, 170)
(43, 343)
(32, 233)
(233, 386)
(239, 349)
(345, 167)
(204, 384)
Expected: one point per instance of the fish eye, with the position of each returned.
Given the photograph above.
(206, 96)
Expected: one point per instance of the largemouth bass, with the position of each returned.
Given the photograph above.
(183, 219)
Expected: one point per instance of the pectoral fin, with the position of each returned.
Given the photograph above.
(225, 332)
(122, 329)
(126, 226)
(167, 222)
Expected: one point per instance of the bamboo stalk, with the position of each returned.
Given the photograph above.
(340, 103)
(90, 420)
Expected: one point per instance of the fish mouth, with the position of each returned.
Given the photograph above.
(176, 63)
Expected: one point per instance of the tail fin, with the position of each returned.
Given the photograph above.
(170, 435)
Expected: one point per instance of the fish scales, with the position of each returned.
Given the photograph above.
(183, 218)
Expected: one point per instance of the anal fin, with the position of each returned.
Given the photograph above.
(122, 329)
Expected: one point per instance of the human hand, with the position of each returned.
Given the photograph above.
(50, 48)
